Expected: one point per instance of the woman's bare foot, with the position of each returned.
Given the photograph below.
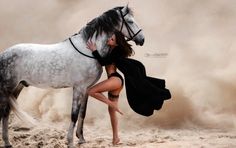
(116, 141)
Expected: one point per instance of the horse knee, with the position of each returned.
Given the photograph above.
(74, 115)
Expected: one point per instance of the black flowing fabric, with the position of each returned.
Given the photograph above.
(145, 94)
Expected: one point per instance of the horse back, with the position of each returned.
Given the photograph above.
(53, 65)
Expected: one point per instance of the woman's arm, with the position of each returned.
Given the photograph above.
(102, 60)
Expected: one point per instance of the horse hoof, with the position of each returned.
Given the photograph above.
(8, 146)
(81, 141)
(71, 146)
(77, 135)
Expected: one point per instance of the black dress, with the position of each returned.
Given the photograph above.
(145, 94)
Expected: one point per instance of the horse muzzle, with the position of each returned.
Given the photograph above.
(139, 41)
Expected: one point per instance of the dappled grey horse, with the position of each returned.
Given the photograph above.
(65, 64)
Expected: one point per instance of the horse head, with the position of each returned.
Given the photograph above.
(118, 18)
(129, 27)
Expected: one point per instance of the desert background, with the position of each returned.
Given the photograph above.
(189, 43)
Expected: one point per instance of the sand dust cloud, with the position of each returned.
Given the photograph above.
(189, 43)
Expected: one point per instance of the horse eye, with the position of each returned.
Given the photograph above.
(130, 22)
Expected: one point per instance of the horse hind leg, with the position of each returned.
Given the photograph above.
(5, 109)
(4, 116)
(5, 131)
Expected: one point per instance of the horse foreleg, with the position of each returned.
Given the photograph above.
(77, 95)
(82, 113)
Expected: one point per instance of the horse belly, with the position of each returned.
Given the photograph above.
(57, 78)
(44, 69)
(54, 66)
(59, 73)
(45, 75)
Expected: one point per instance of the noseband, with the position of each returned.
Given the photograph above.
(130, 31)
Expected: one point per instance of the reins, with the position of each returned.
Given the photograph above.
(80, 51)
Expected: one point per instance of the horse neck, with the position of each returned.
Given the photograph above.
(100, 41)
(80, 44)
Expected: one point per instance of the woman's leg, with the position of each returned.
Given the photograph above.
(113, 117)
(114, 123)
(111, 84)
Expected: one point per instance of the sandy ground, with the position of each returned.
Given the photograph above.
(53, 135)
(190, 43)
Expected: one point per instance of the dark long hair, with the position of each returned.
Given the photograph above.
(107, 22)
(124, 48)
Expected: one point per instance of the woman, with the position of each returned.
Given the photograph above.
(113, 85)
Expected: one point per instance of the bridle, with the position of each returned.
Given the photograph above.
(124, 23)
(130, 31)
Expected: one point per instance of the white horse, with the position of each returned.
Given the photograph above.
(64, 64)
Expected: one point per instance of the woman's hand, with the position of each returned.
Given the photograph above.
(118, 110)
(115, 108)
(91, 45)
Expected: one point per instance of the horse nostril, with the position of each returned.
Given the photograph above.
(142, 42)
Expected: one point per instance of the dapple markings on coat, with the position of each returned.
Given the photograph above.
(60, 65)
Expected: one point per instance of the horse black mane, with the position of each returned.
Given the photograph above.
(106, 22)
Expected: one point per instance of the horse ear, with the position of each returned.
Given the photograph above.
(125, 9)
(127, 6)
